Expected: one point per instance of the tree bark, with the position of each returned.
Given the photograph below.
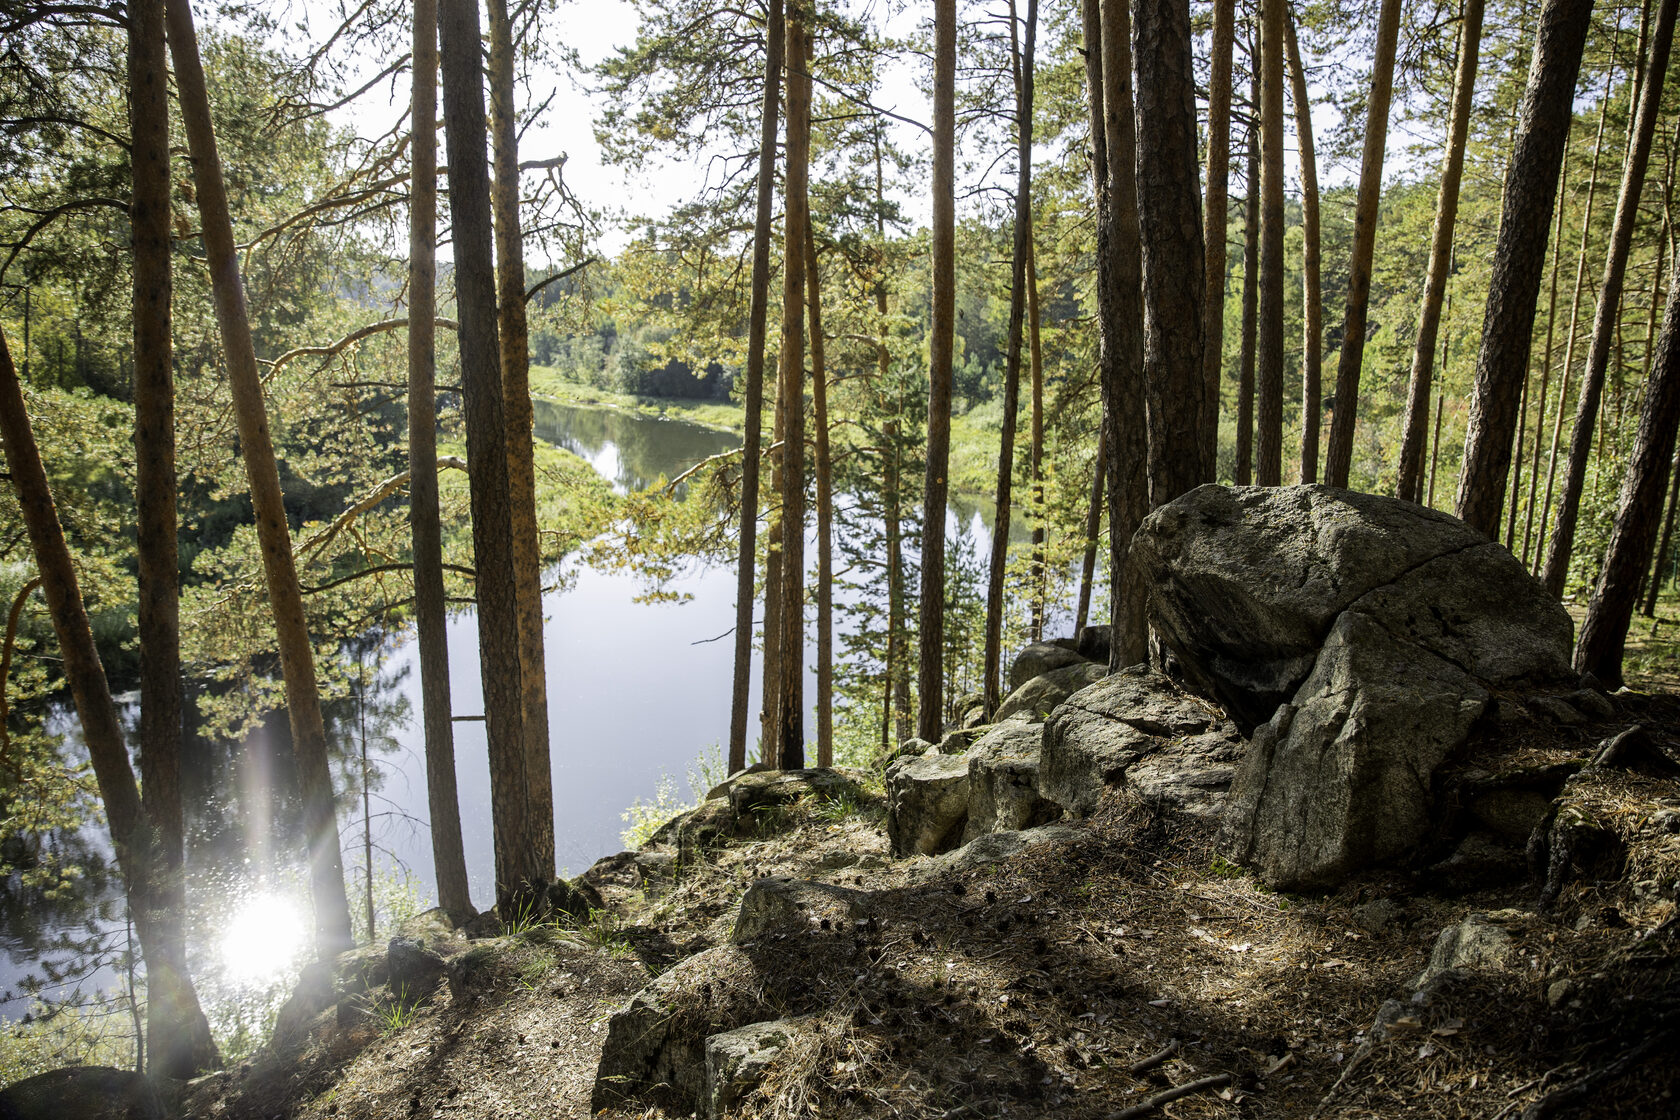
(1519, 261)
(177, 1034)
(431, 620)
(1170, 227)
(1216, 219)
(825, 510)
(1606, 317)
(1338, 457)
(751, 452)
(1268, 354)
(1545, 369)
(1022, 253)
(930, 674)
(521, 459)
(1093, 526)
(1251, 282)
(297, 658)
(1415, 434)
(790, 736)
(521, 869)
(1120, 308)
(896, 705)
(1035, 364)
(1604, 631)
(1312, 285)
(1653, 586)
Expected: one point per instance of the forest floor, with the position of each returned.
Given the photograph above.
(1074, 979)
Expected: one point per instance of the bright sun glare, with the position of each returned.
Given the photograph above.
(264, 937)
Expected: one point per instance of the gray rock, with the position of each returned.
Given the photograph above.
(1340, 778)
(1479, 942)
(1246, 584)
(927, 803)
(1480, 860)
(1039, 696)
(784, 902)
(82, 1092)
(1138, 729)
(1040, 658)
(414, 968)
(1556, 709)
(736, 1062)
(1095, 643)
(751, 796)
(995, 847)
(1377, 915)
(1003, 780)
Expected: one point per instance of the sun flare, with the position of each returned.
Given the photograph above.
(264, 937)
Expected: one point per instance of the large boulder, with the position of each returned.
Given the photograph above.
(1040, 658)
(1003, 770)
(1138, 729)
(927, 803)
(84, 1092)
(1246, 583)
(1039, 696)
(1364, 638)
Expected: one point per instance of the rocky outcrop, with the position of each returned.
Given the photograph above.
(736, 1062)
(1040, 658)
(797, 903)
(1363, 638)
(1003, 769)
(1247, 583)
(927, 803)
(1138, 730)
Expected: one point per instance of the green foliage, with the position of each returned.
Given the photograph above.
(645, 817)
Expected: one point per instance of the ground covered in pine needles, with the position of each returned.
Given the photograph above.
(1093, 975)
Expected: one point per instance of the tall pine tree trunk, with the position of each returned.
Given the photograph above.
(297, 658)
(1519, 261)
(1035, 365)
(1251, 280)
(1022, 252)
(1216, 218)
(1604, 630)
(521, 456)
(1545, 368)
(824, 472)
(791, 734)
(1607, 316)
(751, 450)
(521, 869)
(430, 610)
(1312, 285)
(1338, 457)
(930, 675)
(1268, 353)
(1410, 486)
(1170, 225)
(177, 1035)
(1093, 526)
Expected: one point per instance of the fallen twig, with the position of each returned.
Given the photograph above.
(1167, 1096)
(1160, 1057)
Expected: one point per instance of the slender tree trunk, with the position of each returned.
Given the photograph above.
(791, 734)
(521, 460)
(1604, 631)
(1312, 286)
(930, 677)
(1268, 381)
(1040, 571)
(177, 1033)
(825, 512)
(1519, 261)
(297, 658)
(1435, 452)
(770, 692)
(1120, 307)
(1170, 225)
(1606, 317)
(1216, 219)
(1093, 527)
(1565, 377)
(1410, 486)
(1653, 586)
(751, 452)
(897, 703)
(521, 869)
(448, 856)
(1251, 285)
(1338, 456)
(1022, 252)
(137, 844)
(1545, 369)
